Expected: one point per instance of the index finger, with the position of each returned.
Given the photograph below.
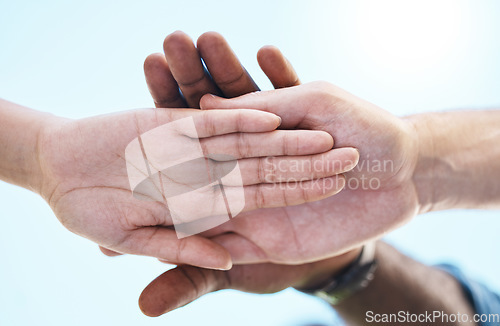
(211, 123)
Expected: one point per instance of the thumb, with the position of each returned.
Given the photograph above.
(288, 103)
(108, 252)
(178, 287)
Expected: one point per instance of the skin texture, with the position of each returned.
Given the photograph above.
(403, 284)
(436, 161)
(79, 168)
(87, 187)
(400, 284)
(305, 233)
(89, 193)
(387, 199)
(271, 235)
(420, 166)
(458, 160)
(184, 284)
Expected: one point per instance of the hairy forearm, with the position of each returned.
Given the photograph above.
(20, 128)
(403, 284)
(459, 155)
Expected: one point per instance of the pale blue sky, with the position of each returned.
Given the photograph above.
(78, 59)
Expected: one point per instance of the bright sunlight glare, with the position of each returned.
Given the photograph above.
(409, 35)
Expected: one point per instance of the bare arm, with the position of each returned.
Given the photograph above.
(19, 132)
(459, 155)
(403, 284)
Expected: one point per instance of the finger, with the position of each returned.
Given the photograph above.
(287, 194)
(293, 168)
(242, 250)
(274, 143)
(276, 67)
(224, 67)
(162, 243)
(161, 83)
(216, 201)
(214, 122)
(308, 98)
(184, 284)
(187, 68)
(109, 253)
(178, 287)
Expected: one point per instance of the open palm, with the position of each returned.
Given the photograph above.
(87, 186)
(379, 193)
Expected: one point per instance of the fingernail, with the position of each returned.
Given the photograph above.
(226, 268)
(204, 99)
(344, 183)
(352, 164)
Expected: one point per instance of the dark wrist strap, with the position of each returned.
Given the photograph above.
(352, 279)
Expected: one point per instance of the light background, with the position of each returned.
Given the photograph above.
(82, 58)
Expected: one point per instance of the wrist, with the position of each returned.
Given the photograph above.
(350, 280)
(423, 175)
(20, 136)
(321, 271)
(456, 161)
(45, 143)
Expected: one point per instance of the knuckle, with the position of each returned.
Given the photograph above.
(323, 89)
(260, 198)
(261, 170)
(305, 195)
(267, 170)
(180, 249)
(284, 143)
(312, 163)
(185, 271)
(240, 120)
(284, 197)
(209, 124)
(243, 145)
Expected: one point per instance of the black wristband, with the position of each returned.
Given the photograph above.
(352, 279)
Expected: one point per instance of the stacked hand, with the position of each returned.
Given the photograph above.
(379, 194)
(154, 182)
(84, 177)
(286, 235)
(80, 168)
(227, 77)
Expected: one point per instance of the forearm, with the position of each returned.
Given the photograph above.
(20, 128)
(403, 284)
(459, 155)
